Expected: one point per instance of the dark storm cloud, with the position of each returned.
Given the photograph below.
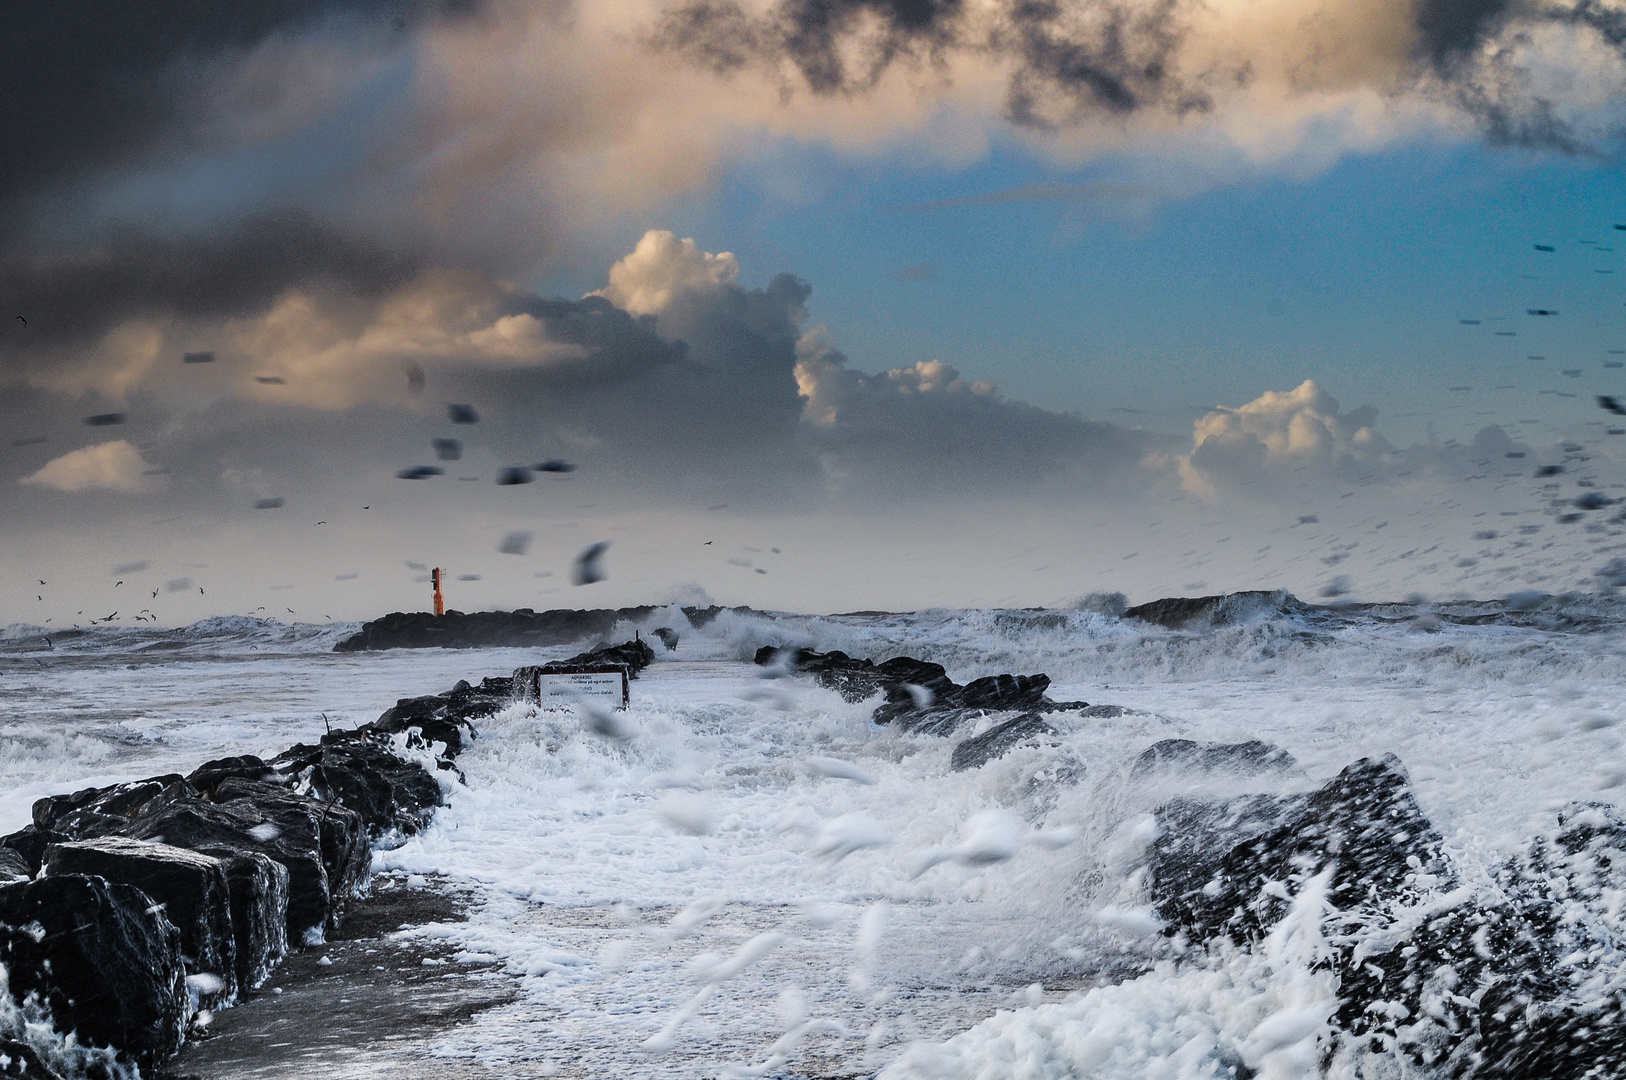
(721, 396)
(1075, 60)
(1118, 61)
(706, 403)
(74, 295)
(1121, 63)
(620, 344)
(1450, 30)
(91, 86)
(812, 33)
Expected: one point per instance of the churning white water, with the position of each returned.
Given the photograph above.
(760, 881)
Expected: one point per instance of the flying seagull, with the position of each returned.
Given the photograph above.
(587, 569)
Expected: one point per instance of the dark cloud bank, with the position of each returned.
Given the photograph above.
(724, 395)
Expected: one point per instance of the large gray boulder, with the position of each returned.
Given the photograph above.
(288, 836)
(190, 887)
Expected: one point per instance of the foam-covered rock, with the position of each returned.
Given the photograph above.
(1364, 823)
(998, 740)
(1246, 758)
(1493, 983)
(447, 719)
(190, 886)
(13, 867)
(18, 1059)
(102, 958)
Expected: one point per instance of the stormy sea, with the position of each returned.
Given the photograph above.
(1242, 836)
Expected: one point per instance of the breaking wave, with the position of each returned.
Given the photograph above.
(221, 634)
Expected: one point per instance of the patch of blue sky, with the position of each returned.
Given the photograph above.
(1088, 289)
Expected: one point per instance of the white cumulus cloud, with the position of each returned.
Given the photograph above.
(108, 466)
(1278, 433)
(661, 268)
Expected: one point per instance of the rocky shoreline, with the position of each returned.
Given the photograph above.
(135, 910)
(130, 913)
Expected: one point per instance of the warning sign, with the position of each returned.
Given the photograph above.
(606, 686)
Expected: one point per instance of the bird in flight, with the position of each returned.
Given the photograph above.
(587, 569)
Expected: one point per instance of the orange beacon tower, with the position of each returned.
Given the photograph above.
(440, 603)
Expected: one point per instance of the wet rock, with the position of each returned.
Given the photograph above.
(259, 912)
(978, 750)
(338, 834)
(920, 697)
(1183, 612)
(13, 867)
(289, 835)
(191, 887)
(207, 777)
(20, 1060)
(446, 718)
(1247, 758)
(101, 958)
(633, 656)
(30, 843)
(522, 629)
(668, 637)
(1003, 692)
(93, 812)
(264, 867)
(391, 795)
(1364, 823)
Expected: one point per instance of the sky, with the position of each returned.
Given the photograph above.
(830, 304)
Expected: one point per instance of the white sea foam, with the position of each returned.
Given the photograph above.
(602, 868)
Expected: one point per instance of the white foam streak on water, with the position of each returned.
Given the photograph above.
(908, 908)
